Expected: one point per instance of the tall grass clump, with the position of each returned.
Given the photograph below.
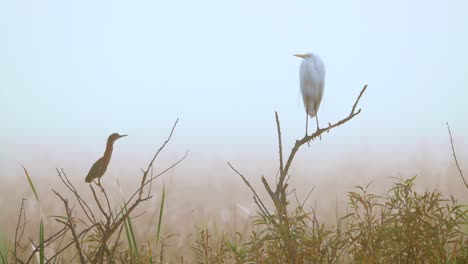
(402, 226)
(406, 226)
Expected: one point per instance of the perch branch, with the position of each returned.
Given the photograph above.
(316, 134)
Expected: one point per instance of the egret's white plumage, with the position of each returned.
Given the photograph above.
(312, 81)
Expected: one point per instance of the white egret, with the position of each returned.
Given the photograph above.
(312, 81)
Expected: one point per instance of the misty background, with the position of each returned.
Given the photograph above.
(71, 73)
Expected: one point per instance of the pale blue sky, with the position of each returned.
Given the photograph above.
(72, 72)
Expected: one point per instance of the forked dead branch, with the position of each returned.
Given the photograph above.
(279, 194)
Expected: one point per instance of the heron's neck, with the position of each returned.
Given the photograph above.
(108, 152)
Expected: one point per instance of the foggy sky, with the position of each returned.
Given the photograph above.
(71, 73)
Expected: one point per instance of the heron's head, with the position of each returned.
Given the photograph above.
(114, 137)
(305, 55)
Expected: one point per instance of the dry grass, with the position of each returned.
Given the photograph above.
(209, 205)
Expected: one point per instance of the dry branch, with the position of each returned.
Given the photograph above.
(71, 226)
(455, 157)
(316, 134)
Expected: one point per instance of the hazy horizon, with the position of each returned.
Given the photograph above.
(72, 73)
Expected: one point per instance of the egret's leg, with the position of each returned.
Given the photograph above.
(307, 118)
(316, 118)
(307, 123)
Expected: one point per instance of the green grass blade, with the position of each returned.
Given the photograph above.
(30, 182)
(150, 253)
(129, 240)
(132, 236)
(3, 258)
(161, 210)
(41, 243)
(4, 248)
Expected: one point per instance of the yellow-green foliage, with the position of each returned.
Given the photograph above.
(403, 226)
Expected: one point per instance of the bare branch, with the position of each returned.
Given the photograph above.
(46, 242)
(71, 225)
(316, 134)
(157, 153)
(99, 204)
(72, 242)
(84, 206)
(117, 240)
(455, 157)
(149, 181)
(269, 190)
(168, 168)
(280, 145)
(357, 100)
(107, 202)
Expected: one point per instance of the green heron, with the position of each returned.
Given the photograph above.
(100, 166)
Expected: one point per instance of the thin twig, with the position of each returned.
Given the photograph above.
(45, 243)
(99, 204)
(107, 202)
(278, 128)
(251, 188)
(357, 100)
(157, 153)
(455, 157)
(117, 240)
(149, 181)
(71, 226)
(269, 190)
(71, 242)
(84, 206)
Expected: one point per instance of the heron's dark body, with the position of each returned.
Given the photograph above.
(100, 166)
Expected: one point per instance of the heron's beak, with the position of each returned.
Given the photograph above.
(121, 136)
(301, 55)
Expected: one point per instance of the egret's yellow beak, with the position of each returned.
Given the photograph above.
(301, 55)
